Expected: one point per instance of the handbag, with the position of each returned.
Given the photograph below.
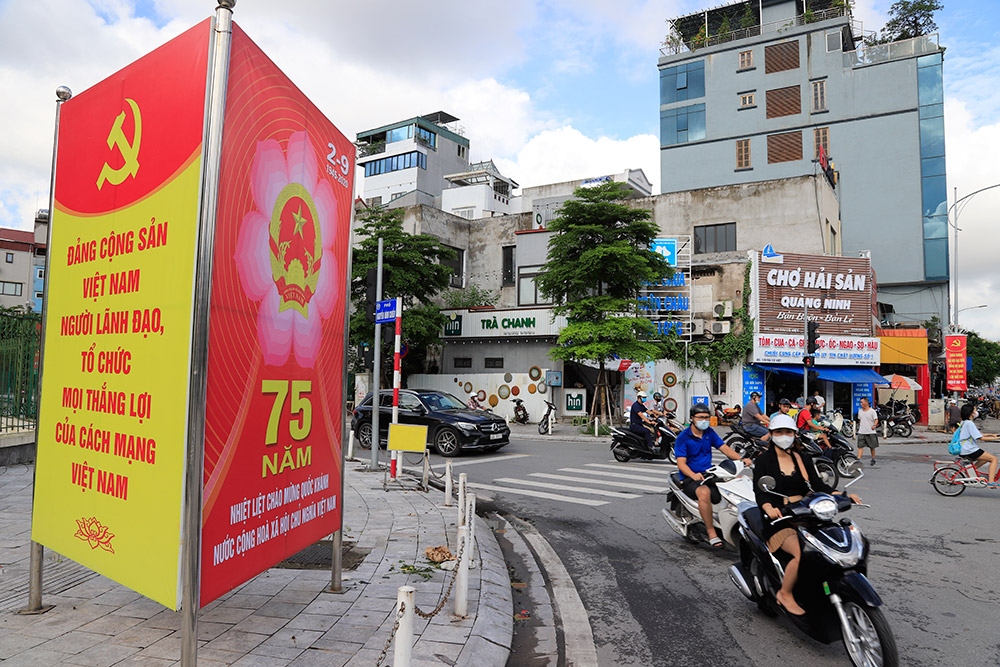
(955, 446)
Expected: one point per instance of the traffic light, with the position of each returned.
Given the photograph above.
(808, 361)
(371, 286)
(812, 337)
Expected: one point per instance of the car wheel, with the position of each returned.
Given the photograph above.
(446, 442)
(364, 435)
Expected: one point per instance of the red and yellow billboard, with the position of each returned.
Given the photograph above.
(955, 348)
(275, 370)
(113, 418)
(115, 408)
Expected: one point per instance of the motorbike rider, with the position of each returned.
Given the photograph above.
(657, 409)
(639, 419)
(474, 403)
(807, 421)
(795, 476)
(784, 405)
(753, 420)
(970, 437)
(693, 450)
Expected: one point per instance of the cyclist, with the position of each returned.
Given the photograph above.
(971, 437)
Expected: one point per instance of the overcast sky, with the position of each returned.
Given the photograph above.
(551, 90)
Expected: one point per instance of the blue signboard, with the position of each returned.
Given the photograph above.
(860, 390)
(667, 248)
(385, 311)
(753, 380)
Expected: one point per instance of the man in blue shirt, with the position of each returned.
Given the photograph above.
(693, 450)
(638, 418)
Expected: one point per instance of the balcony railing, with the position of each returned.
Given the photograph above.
(880, 53)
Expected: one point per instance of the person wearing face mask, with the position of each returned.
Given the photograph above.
(970, 437)
(693, 450)
(794, 476)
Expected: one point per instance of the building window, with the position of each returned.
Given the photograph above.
(39, 296)
(494, 362)
(821, 137)
(10, 258)
(463, 362)
(40, 273)
(426, 137)
(784, 102)
(527, 290)
(742, 153)
(715, 238)
(399, 134)
(833, 241)
(781, 57)
(719, 382)
(462, 150)
(834, 41)
(819, 96)
(10, 289)
(748, 100)
(457, 266)
(374, 201)
(683, 124)
(509, 267)
(467, 212)
(746, 59)
(684, 82)
(396, 163)
(784, 147)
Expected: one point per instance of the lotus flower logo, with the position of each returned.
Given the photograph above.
(94, 533)
(284, 252)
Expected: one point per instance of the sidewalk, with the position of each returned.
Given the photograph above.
(280, 618)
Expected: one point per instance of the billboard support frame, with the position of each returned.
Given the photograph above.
(215, 105)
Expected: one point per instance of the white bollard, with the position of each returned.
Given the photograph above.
(447, 483)
(461, 499)
(425, 478)
(471, 520)
(462, 577)
(350, 445)
(597, 426)
(403, 641)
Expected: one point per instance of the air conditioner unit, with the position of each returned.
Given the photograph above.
(723, 309)
(697, 327)
(718, 327)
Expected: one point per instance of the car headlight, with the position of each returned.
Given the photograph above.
(467, 426)
(824, 509)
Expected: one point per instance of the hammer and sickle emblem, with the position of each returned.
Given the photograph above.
(129, 151)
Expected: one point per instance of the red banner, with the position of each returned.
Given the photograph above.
(954, 362)
(274, 413)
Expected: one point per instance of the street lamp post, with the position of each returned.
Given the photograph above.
(954, 254)
(962, 310)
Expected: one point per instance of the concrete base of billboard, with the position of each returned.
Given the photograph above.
(17, 448)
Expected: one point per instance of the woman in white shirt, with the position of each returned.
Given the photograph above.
(971, 437)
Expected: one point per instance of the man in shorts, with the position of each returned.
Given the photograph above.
(867, 435)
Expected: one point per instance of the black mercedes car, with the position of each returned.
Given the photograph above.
(451, 426)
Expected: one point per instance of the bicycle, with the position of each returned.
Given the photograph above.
(951, 477)
(543, 425)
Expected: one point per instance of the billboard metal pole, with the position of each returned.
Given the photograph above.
(215, 106)
(37, 550)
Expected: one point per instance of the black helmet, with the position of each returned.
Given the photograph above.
(699, 408)
(657, 396)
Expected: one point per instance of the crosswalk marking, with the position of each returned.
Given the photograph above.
(540, 494)
(566, 487)
(638, 478)
(655, 468)
(490, 459)
(603, 482)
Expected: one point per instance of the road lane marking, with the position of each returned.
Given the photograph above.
(659, 467)
(638, 478)
(566, 487)
(540, 494)
(594, 480)
(492, 459)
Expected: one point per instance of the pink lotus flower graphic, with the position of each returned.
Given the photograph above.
(284, 252)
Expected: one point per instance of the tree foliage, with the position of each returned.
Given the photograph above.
(598, 259)
(470, 297)
(909, 19)
(411, 271)
(985, 360)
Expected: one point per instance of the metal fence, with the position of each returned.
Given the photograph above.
(20, 344)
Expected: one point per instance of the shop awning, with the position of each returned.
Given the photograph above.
(831, 373)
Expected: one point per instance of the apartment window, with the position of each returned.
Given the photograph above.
(715, 238)
(494, 362)
(39, 296)
(748, 100)
(467, 212)
(509, 267)
(784, 147)
(462, 150)
(834, 41)
(742, 153)
(746, 59)
(396, 163)
(426, 137)
(399, 134)
(457, 266)
(10, 289)
(10, 258)
(821, 137)
(40, 273)
(527, 290)
(719, 382)
(684, 82)
(784, 102)
(819, 96)
(463, 362)
(781, 57)
(683, 124)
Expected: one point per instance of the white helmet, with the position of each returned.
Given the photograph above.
(783, 421)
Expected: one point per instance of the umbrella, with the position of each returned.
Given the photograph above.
(899, 382)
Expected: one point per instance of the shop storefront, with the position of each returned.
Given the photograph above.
(904, 351)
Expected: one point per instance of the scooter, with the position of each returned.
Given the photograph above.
(841, 450)
(681, 512)
(743, 443)
(626, 445)
(520, 412)
(822, 458)
(832, 587)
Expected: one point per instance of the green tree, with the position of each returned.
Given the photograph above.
(985, 356)
(470, 297)
(910, 18)
(411, 271)
(598, 259)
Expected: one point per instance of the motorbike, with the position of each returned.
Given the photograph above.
(626, 445)
(681, 512)
(894, 423)
(841, 450)
(822, 458)
(544, 424)
(833, 588)
(520, 412)
(743, 443)
(844, 426)
(727, 416)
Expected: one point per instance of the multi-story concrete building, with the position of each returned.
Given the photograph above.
(759, 90)
(22, 265)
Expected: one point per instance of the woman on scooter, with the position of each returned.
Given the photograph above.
(795, 476)
(970, 437)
